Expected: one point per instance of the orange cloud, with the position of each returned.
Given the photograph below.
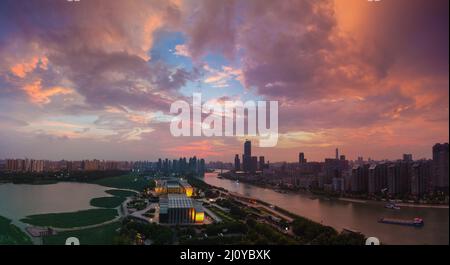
(21, 69)
(38, 95)
(203, 148)
(220, 78)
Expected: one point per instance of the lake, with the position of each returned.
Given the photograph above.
(20, 200)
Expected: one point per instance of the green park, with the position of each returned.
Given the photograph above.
(11, 234)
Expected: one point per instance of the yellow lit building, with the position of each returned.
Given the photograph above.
(199, 217)
(179, 209)
(173, 185)
(187, 188)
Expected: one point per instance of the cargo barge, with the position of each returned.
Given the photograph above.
(392, 206)
(417, 222)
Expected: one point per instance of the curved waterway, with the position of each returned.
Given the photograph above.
(358, 216)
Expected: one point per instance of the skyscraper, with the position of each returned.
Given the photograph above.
(262, 163)
(420, 174)
(440, 167)
(248, 148)
(201, 167)
(360, 178)
(407, 157)
(398, 175)
(253, 164)
(237, 163)
(377, 177)
(337, 154)
(301, 158)
(246, 158)
(332, 169)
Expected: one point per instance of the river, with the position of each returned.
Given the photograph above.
(358, 216)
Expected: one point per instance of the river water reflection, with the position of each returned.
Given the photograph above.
(354, 215)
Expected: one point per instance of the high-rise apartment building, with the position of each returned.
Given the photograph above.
(440, 167)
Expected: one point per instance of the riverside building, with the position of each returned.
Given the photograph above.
(179, 209)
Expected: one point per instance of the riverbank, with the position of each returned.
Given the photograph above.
(71, 219)
(322, 195)
(352, 200)
(401, 204)
(282, 226)
(431, 206)
(354, 215)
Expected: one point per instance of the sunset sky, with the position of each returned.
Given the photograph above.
(96, 78)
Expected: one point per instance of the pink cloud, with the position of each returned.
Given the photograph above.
(39, 95)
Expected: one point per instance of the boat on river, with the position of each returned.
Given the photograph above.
(392, 206)
(417, 222)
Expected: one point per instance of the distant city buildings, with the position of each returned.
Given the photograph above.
(333, 168)
(221, 165)
(377, 180)
(360, 178)
(421, 173)
(407, 157)
(301, 158)
(24, 165)
(37, 166)
(253, 164)
(262, 163)
(247, 156)
(440, 173)
(338, 184)
(250, 164)
(181, 166)
(405, 176)
(237, 163)
(399, 178)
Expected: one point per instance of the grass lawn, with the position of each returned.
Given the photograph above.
(107, 202)
(121, 193)
(11, 234)
(130, 181)
(72, 219)
(102, 235)
(221, 214)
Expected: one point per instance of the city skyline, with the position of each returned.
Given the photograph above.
(83, 80)
(232, 160)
